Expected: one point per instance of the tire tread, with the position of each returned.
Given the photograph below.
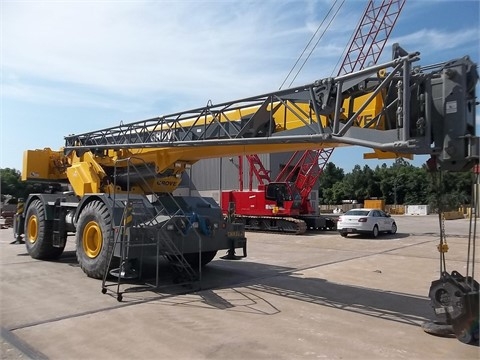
(43, 248)
(97, 211)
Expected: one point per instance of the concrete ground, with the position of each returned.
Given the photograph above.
(294, 297)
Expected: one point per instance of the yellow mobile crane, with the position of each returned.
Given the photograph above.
(121, 178)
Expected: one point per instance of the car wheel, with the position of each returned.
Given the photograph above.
(343, 234)
(394, 229)
(375, 231)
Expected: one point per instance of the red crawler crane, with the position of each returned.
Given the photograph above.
(283, 204)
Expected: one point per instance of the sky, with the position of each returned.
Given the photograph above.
(77, 66)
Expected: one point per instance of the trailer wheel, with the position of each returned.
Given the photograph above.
(39, 233)
(94, 239)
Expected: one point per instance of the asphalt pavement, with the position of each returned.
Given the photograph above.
(295, 297)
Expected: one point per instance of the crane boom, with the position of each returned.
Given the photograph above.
(411, 110)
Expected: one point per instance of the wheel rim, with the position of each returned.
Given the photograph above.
(92, 239)
(32, 229)
(375, 231)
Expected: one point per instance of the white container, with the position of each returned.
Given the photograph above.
(417, 210)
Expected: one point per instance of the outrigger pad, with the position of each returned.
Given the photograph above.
(455, 300)
(439, 329)
(230, 255)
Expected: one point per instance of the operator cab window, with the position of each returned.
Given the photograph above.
(277, 192)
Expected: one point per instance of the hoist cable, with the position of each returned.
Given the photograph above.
(442, 246)
(306, 46)
(473, 223)
(314, 47)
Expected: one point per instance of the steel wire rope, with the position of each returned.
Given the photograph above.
(320, 38)
(308, 44)
(442, 246)
(472, 238)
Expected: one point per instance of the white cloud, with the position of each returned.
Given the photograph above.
(150, 50)
(86, 52)
(434, 40)
(138, 48)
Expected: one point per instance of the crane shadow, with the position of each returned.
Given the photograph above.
(254, 287)
(381, 304)
(235, 290)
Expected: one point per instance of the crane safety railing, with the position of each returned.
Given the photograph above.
(154, 225)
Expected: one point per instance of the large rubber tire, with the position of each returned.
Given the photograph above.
(192, 258)
(375, 232)
(94, 239)
(39, 233)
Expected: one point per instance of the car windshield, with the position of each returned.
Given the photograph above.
(357, 212)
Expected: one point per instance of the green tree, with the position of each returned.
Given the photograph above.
(400, 183)
(11, 184)
(335, 194)
(331, 175)
(416, 186)
(448, 191)
(360, 184)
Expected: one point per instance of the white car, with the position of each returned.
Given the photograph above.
(366, 221)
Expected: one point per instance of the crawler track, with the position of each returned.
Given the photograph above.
(274, 224)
